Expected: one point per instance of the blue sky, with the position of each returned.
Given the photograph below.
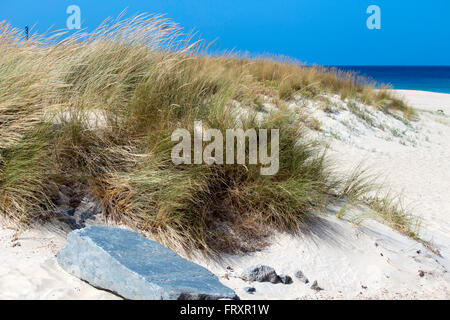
(331, 32)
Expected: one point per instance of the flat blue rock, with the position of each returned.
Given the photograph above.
(134, 267)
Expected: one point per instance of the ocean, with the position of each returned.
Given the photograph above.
(426, 78)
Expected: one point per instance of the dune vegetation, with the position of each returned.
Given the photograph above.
(94, 112)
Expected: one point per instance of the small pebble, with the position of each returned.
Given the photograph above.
(284, 278)
(250, 289)
(315, 286)
(260, 273)
(299, 274)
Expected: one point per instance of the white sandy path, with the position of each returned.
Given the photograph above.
(369, 261)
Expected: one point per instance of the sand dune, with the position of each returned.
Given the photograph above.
(347, 260)
(371, 260)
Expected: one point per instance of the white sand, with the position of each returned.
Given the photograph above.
(421, 173)
(29, 269)
(348, 261)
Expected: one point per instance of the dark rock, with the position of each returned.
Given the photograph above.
(88, 212)
(134, 267)
(299, 274)
(70, 211)
(275, 280)
(66, 214)
(284, 278)
(250, 289)
(261, 273)
(315, 286)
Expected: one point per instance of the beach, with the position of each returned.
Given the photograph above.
(349, 260)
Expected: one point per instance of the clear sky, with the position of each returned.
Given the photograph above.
(330, 32)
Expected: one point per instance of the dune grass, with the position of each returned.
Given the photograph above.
(394, 213)
(361, 188)
(96, 112)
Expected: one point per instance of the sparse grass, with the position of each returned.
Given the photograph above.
(397, 133)
(442, 117)
(292, 78)
(387, 102)
(362, 188)
(361, 113)
(313, 123)
(141, 80)
(396, 216)
(330, 107)
(443, 121)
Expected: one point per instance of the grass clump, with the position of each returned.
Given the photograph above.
(392, 211)
(292, 78)
(96, 112)
(362, 188)
(385, 101)
(361, 113)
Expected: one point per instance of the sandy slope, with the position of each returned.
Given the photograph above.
(348, 261)
(418, 171)
(371, 260)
